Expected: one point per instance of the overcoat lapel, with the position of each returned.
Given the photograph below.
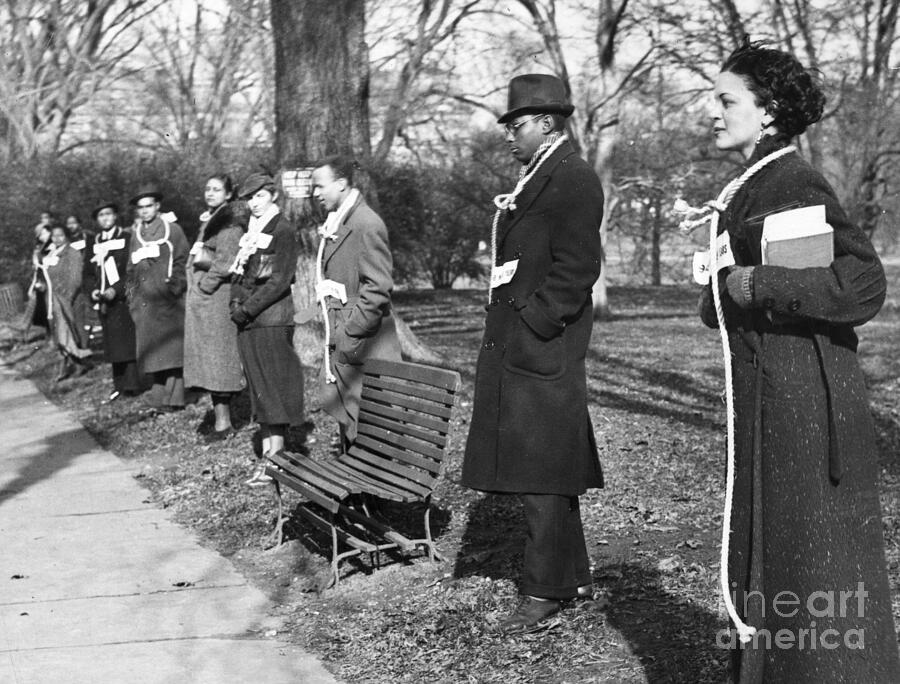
(331, 246)
(533, 189)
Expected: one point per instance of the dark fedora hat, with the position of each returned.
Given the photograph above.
(104, 205)
(147, 190)
(538, 93)
(253, 183)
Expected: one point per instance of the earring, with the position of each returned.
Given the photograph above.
(762, 127)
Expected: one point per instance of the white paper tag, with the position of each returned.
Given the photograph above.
(105, 248)
(724, 258)
(150, 251)
(256, 240)
(51, 260)
(196, 247)
(169, 217)
(79, 245)
(500, 275)
(112, 271)
(331, 288)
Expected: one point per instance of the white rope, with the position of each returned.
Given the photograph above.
(745, 631)
(507, 201)
(164, 240)
(45, 269)
(328, 231)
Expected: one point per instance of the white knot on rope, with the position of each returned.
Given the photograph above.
(505, 201)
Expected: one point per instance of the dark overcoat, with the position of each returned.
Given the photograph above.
(211, 359)
(806, 514)
(358, 257)
(530, 431)
(156, 299)
(118, 328)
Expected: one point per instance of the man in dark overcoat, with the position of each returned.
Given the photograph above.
(531, 434)
(104, 282)
(356, 281)
(156, 286)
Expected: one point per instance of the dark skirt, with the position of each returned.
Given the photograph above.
(274, 375)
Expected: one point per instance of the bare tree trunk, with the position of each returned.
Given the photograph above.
(322, 108)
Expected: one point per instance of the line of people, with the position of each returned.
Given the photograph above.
(218, 316)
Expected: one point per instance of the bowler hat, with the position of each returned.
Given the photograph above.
(104, 205)
(253, 183)
(147, 190)
(539, 93)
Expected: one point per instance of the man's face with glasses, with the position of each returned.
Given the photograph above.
(147, 209)
(524, 135)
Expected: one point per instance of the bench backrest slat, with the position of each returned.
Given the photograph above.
(435, 399)
(414, 372)
(411, 458)
(403, 416)
(382, 469)
(392, 425)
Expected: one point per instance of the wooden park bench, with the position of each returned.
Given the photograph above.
(404, 421)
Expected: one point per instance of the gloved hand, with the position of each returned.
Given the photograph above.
(739, 284)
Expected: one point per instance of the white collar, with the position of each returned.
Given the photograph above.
(257, 223)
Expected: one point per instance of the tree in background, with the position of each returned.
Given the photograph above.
(55, 57)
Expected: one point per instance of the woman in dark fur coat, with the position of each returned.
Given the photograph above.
(211, 359)
(806, 559)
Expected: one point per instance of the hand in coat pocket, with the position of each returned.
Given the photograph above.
(348, 349)
(529, 354)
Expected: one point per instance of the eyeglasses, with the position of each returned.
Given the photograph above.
(513, 129)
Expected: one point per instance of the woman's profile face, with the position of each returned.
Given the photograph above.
(214, 193)
(737, 119)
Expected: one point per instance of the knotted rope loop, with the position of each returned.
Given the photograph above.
(716, 209)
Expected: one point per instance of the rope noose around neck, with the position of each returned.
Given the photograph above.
(745, 631)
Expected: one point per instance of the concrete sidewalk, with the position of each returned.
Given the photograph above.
(98, 586)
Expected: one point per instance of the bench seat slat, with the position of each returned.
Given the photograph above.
(299, 486)
(366, 483)
(306, 474)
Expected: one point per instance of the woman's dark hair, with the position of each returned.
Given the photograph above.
(227, 182)
(788, 91)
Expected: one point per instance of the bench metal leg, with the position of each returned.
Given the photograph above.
(433, 554)
(278, 533)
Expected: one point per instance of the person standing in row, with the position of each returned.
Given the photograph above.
(156, 286)
(82, 241)
(531, 433)
(211, 359)
(354, 274)
(105, 283)
(263, 310)
(62, 271)
(806, 522)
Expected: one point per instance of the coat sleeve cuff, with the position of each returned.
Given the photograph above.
(540, 323)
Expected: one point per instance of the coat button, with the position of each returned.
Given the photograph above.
(794, 305)
(517, 255)
(511, 301)
(488, 345)
(495, 301)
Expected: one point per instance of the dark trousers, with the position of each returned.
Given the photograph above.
(127, 378)
(168, 388)
(556, 560)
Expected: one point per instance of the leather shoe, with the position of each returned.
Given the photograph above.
(530, 612)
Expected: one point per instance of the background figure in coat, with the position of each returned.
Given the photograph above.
(156, 286)
(36, 309)
(806, 522)
(355, 279)
(211, 359)
(263, 310)
(531, 433)
(104, 281)
(61, 269)
(81, 240)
